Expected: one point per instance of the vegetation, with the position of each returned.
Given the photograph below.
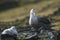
(43, 8)
(19, 16)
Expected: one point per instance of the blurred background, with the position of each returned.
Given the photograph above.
(11, 11)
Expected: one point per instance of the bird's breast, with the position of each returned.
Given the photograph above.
(33, 21)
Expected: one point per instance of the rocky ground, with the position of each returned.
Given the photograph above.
(26, 32)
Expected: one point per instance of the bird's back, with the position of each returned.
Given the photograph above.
(44, 20)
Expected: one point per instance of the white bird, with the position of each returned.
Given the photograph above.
(33, 19)
(10, 31)
(37, 21)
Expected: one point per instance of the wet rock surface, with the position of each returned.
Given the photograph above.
(42, 34)
(56, 13)
(29, 33)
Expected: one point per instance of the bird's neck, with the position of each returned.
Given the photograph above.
(32, 15)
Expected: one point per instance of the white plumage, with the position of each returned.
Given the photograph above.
(10, 31)
(33, 19)
(38, 21)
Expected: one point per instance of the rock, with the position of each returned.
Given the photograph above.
(8, 37)
(10, 33)
(46, 35)
(58, 36)
(27, 35)
(56, 13)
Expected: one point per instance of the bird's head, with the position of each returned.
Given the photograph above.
(32, 12)
(13, 27)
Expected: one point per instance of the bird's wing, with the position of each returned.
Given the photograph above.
(44, 20)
